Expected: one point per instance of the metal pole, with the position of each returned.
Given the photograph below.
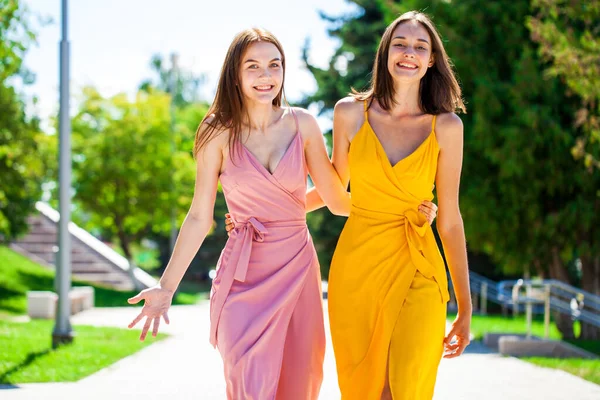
(528, 308)
(547, 312)
(483, 307)
(173, 93)
(63, 332)
(515, 297)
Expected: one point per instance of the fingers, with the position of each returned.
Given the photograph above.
(428, 209)
(449, 336)
(455, 349)
(155, 326)
(429, 204)
(145, 329)
(136, 299)
(166, 318)
(135, 321)
(229, 224)
(430, 215)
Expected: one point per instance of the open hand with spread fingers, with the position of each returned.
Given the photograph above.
(156, 304)
(460, 331)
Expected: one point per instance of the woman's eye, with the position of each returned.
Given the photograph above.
(274, 65)
(399, 45)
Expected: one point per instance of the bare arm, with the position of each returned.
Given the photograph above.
(199, 218)
(313, 200)
(194, 229)
(345, 125)
(347, 120)
(326, 180)
(450, 224)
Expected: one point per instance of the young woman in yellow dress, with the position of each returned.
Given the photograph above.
(387, 284)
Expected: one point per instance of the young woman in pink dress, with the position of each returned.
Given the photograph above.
(266, 308)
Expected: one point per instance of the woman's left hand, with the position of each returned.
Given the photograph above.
(229, 224)
(461, 330)
(428, 209)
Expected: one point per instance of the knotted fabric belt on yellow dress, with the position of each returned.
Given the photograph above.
(415, 229)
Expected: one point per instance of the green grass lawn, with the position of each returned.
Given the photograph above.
(586, 369)
(18, 275)
(482, 324)
(31, 358)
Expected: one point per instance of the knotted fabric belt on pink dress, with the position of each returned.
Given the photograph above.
(243, 235)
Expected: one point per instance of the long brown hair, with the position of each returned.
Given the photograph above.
(439, 89)
(227, 110)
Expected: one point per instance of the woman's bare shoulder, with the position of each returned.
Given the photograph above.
(447, 126)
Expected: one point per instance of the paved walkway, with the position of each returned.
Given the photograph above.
(186, 367)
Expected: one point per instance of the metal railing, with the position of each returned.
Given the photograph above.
(536, 297)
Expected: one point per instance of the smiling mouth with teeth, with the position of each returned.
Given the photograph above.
(265, 87)
(404, 65)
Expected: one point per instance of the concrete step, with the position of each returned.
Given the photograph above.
(110, 279)
(87, 261)
(89, 268)
(39, 238)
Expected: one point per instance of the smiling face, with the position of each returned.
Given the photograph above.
(261, 73)
(410, 52)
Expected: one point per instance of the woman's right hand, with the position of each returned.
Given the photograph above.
(156, 304)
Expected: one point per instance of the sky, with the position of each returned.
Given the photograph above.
(112, 41)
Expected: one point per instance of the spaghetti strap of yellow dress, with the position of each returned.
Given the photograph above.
(387, 285)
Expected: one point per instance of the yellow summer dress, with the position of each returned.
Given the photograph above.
(387, 285)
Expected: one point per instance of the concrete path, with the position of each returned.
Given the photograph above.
(186, 367)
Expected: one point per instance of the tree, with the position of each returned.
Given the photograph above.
(350, 66)
(568, 36)
(183, 84)
(525, 201)
(124, 166)
(568, 33)
(20, 168)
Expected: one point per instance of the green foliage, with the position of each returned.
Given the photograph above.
(568, 33)
(129, 169)
(132, 163)
(20, 168)
(181, 83)
(31, 358)
(586, 369)
(484, 324)
(351, 64)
